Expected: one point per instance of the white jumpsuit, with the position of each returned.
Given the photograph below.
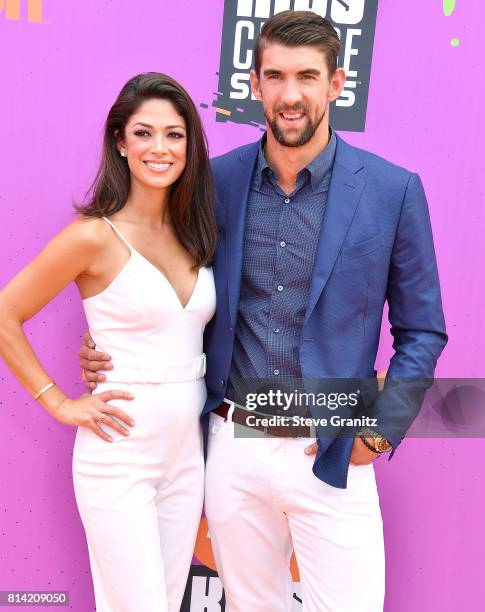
(140, 497)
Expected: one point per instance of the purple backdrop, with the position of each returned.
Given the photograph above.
(59, 77)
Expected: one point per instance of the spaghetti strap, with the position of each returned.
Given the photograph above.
(119, 233)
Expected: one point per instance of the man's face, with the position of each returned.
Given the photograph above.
(295, 89)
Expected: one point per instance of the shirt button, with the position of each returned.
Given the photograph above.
(282, 243)
(276, 372)
(280, 287)
(221, 382)
(276, 330)
(287, 200)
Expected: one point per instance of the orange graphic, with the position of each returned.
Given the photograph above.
(223, 111)
(381, 379)
(12, 9)
(203, 548)
(203, 551)
(295, 572)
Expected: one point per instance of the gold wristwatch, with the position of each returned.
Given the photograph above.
(381, 444)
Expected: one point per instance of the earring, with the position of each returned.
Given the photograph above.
(123, 153)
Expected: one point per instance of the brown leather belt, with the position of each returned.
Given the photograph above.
(240, 416)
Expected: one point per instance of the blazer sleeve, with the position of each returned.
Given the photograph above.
(416, 318)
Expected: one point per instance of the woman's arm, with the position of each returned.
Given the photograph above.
(68, 255)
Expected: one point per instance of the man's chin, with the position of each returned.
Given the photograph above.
(289, 142)
(291, 138)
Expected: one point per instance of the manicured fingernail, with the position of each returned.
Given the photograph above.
(131, 395)
(132, 422)
(125, 432)
(109, 366)
(102, 377)
(110, 439)
(106, 357)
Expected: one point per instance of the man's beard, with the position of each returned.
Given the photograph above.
(305, 136)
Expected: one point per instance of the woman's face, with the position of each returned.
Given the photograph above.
(155, 144)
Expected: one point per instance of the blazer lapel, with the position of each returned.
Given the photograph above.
(343, 197)
(237, 201)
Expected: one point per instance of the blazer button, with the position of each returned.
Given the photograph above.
(222, 382)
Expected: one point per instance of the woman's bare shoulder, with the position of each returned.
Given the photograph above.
(89, 232)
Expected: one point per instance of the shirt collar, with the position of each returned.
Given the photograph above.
(318, 168)
(262, 166)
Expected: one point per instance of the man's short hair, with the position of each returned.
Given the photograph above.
(296, 29)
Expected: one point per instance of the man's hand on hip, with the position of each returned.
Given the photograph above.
(361, 455)
(92, 362)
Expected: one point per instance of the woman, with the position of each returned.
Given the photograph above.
(139, 254)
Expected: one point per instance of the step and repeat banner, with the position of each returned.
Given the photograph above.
(413, 95)
(355, 23)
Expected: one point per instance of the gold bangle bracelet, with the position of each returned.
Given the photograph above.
(44, 389)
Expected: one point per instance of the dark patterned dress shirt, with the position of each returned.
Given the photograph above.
(280, 243)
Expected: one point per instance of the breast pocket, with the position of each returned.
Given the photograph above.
(352, 252)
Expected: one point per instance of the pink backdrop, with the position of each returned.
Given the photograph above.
(59, 77)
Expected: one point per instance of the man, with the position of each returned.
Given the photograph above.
(315, 235)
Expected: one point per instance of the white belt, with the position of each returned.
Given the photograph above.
(183, 371)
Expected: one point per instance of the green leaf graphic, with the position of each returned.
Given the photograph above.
(448, 7)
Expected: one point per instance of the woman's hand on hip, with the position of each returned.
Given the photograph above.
(91, 410)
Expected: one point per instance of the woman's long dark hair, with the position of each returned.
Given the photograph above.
(191, 196)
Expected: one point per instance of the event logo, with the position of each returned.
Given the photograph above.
(354, 21)
(12, 9)
(204, 591)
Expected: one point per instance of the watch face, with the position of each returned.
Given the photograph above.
(382, 445)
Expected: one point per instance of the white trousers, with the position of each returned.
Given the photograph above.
(140, 497)
(262, 501)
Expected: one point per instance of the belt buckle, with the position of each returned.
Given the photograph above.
(202, 366)
(231, 406)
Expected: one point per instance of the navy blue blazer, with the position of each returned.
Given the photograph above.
(375, 245)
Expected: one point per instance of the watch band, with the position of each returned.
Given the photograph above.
(381, 444)
(369, 446)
